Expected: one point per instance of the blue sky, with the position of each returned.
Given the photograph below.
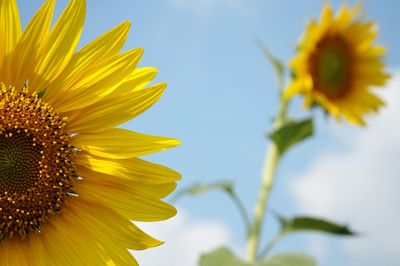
(221, 97)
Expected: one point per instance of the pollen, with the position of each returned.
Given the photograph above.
(36, 169)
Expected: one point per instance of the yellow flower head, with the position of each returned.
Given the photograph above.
(70, 181)
(337, 63)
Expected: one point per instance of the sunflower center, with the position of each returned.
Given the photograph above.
(19, 160)
(36, 169)
(331, 67)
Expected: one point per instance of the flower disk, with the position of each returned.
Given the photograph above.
(336, 64)
(35, 162)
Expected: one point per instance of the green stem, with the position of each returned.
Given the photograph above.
(241, 209)
(225, 187)
(271, 244)
(270, 166)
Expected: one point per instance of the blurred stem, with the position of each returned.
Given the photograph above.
(241, 209)
(269, 170)
(271, 244)
(225, 187)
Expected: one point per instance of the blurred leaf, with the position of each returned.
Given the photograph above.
(290, 259)
(292, 133)
(201, 188)
(220, 257)
(276, 63)
(226, 187)
(313, 224)
(303, 223)
(224, 257)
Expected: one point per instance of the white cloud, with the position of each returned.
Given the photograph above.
(361, 185)
(185, 241)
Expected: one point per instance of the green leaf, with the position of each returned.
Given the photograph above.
(290, 259)
(276, 63)
(292, 133)
(201, 188)
(224, 257)
(303, 223)
(220, 257)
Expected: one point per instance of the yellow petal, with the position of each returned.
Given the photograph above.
(113, 111)
(93, 83)
(26, 53)
(106, 224)
(345, 16)
(86, 233)
(326, 17)
(14, 253)
(60, 44)
(10, 31)
(62, 241)
(353, 117)
(294, 88)
(137, 81)
(117, 143)
(105, 46)
(158, 191)
(329, 106)
(129, 202)
(132, 168)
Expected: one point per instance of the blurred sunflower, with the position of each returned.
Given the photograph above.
(337, 63)
(70, 182)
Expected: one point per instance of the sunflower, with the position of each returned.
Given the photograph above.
(336, 64)
(70, 181)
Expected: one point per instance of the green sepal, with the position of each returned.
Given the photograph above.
(41, 93)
